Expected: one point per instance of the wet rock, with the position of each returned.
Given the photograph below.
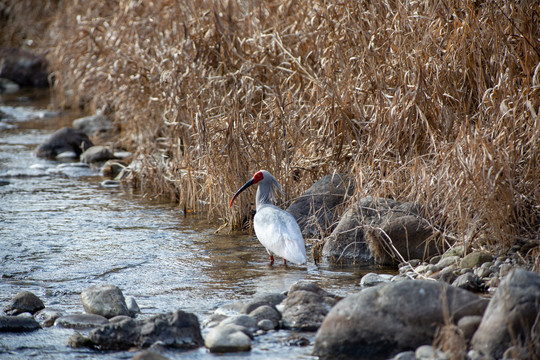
(266, 312)
(18, 324)
(105, 300)
(317, 209)
(64, 140)
(468, 325)
(304, 310)
(469, 282)
(297, 340)
(81, 321)
(97, 153)
(309, 286)
(475, 258)
(361, 235)
(245, 321)
(23, 67)
(511, 315)
(119, 318)
(93, 124)
(47, 317)
(132, 306)
(266, 325)
(382, 321)
(77, 341)
(178, 330)
(228, 338)
(272, 299)
(372, 279)
(24, 301)
(148, 355)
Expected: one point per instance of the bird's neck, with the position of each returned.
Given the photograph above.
(264, 196)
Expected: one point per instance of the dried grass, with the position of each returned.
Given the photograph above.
(430, 101)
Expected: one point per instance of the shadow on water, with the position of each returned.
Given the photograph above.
(61, 232)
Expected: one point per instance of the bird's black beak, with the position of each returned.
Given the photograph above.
(246, 185)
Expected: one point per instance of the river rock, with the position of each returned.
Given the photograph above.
(178, 330)
(23, 67)
(18, 324)
(468, 281)
(361, 235)
(93, 124)
(266, 312)
(97, 153)
(468, 325)
(510, 316)
(475, 258)
(81, 321)
(47, 317)
(305, 309)
(104, 300)
(272, 299)
(24, 301)
(318, 208)
(64, 140)
(382, 321)
(148, 355)
(228, 338)
(372, 279)
(245, 321)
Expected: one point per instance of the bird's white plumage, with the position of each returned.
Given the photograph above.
(278, 231)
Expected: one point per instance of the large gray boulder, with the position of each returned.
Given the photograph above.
(381, 231)
(512, 317)
(104, 300)
(178, 330)
(317, 210)
(382, 321)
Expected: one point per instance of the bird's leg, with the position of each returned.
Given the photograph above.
(284, 262)
(271, 259)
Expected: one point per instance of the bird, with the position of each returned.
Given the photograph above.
(275, 228)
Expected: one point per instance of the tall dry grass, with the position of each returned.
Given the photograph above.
(430, 101)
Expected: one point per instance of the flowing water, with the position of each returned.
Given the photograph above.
(61, 232)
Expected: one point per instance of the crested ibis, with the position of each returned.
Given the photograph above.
(276, 229)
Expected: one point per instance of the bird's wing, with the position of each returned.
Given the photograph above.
(278, 231)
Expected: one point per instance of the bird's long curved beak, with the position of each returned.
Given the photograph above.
(244, 187)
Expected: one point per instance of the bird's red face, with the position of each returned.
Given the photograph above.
(258, 177)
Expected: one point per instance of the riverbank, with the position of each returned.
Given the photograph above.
(206, 94)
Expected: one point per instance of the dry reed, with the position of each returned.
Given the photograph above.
(430, 101)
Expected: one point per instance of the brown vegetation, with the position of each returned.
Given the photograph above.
(430, 101)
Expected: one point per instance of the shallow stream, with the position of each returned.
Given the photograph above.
(61, 232)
